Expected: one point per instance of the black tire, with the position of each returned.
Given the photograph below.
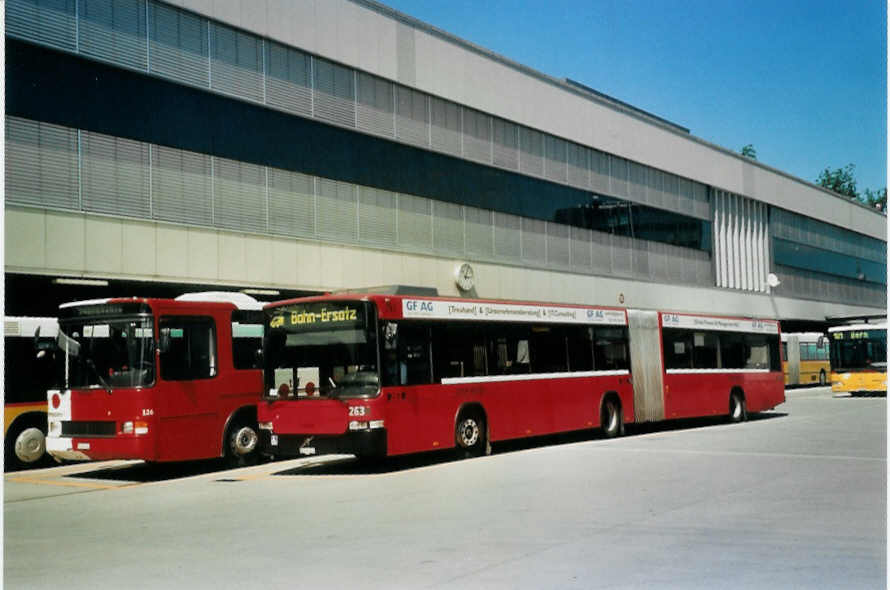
(611, 419)
(242, 444)
(822, 377)
(26, 444)
(471, 434)
(737, 410)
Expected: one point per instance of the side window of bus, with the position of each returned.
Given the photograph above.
(677, 349)
(458, 351)
(508, 352)
(187, 348)
(733, 351)
(247, 339)
(549, 349)
(705, 350)
(610, 349)
(580, 347)
(758, 350)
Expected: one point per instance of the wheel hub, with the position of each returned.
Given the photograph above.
(30, 445)
(469, 433)
(244, 441)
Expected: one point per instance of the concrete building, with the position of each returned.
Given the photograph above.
(303, 146)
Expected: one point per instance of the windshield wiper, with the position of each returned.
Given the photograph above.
(102, 381)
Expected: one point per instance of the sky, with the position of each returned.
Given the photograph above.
(804, 82)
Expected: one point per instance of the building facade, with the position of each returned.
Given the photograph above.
(305, 146)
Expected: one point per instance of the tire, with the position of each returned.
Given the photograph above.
(26, 444)
(471, 434)
(242, 444)
(611, 419)
(737, 410)
(822, 378)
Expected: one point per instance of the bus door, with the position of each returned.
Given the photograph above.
(187, 394)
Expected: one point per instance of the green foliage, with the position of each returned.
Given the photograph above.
(749, 152)
(840, 180)
(875, 198)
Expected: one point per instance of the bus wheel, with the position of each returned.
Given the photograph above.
(26, 444)
(737, 411)
(822, 377)
(611, 418)
(241, 445)
(470, 434)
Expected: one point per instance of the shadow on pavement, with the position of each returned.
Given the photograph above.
(397, 464)
(151, 472)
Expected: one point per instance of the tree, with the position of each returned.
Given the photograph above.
(876, 198)
(839, 180)
(749, 152)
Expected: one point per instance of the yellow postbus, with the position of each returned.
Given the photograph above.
(859, 359)
(806, 358)
(28, 372)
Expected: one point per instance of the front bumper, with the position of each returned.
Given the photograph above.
(363, 443)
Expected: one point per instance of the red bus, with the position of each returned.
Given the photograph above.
(382, 375)
(158, 379)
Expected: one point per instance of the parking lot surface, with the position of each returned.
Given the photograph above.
(794, 498)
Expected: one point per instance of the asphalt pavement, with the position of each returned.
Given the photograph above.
(793, 498)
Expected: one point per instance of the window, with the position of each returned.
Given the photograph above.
(188, 348)
(580, 347)
(458, 351)
(610, 349)
(677, 349)
(247, 339)
(548, 350)
(508, 352)
(705, 350)
(406, 354)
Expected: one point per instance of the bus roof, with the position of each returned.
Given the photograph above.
(239, 300)
(859, 327)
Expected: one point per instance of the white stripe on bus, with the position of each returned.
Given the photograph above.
(710, 371)
(531, 377)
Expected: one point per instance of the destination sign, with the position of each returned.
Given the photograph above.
(510, 312)
(858, 335)
(318, 316)
(695, 322)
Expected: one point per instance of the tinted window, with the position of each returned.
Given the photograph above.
(188, 348)
(406, 354)
(677, 349)
(705, 350)
(548, 350)
(247, 339)
(26, 376)
(459, 351)
(610, 350)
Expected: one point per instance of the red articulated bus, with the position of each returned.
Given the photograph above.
(383, 375)
(158, 379)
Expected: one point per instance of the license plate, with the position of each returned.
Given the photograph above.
(274, 440)
(307, 450)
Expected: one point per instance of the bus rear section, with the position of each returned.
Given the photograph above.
(158, 379)
(859, 359)
(805, 358)
(390, 375)
(29, 372)
(690, 366)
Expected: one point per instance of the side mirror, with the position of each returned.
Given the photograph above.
(164, 341)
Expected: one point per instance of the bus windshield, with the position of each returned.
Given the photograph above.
(861, 350)
(326, 349)
(113, 352)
